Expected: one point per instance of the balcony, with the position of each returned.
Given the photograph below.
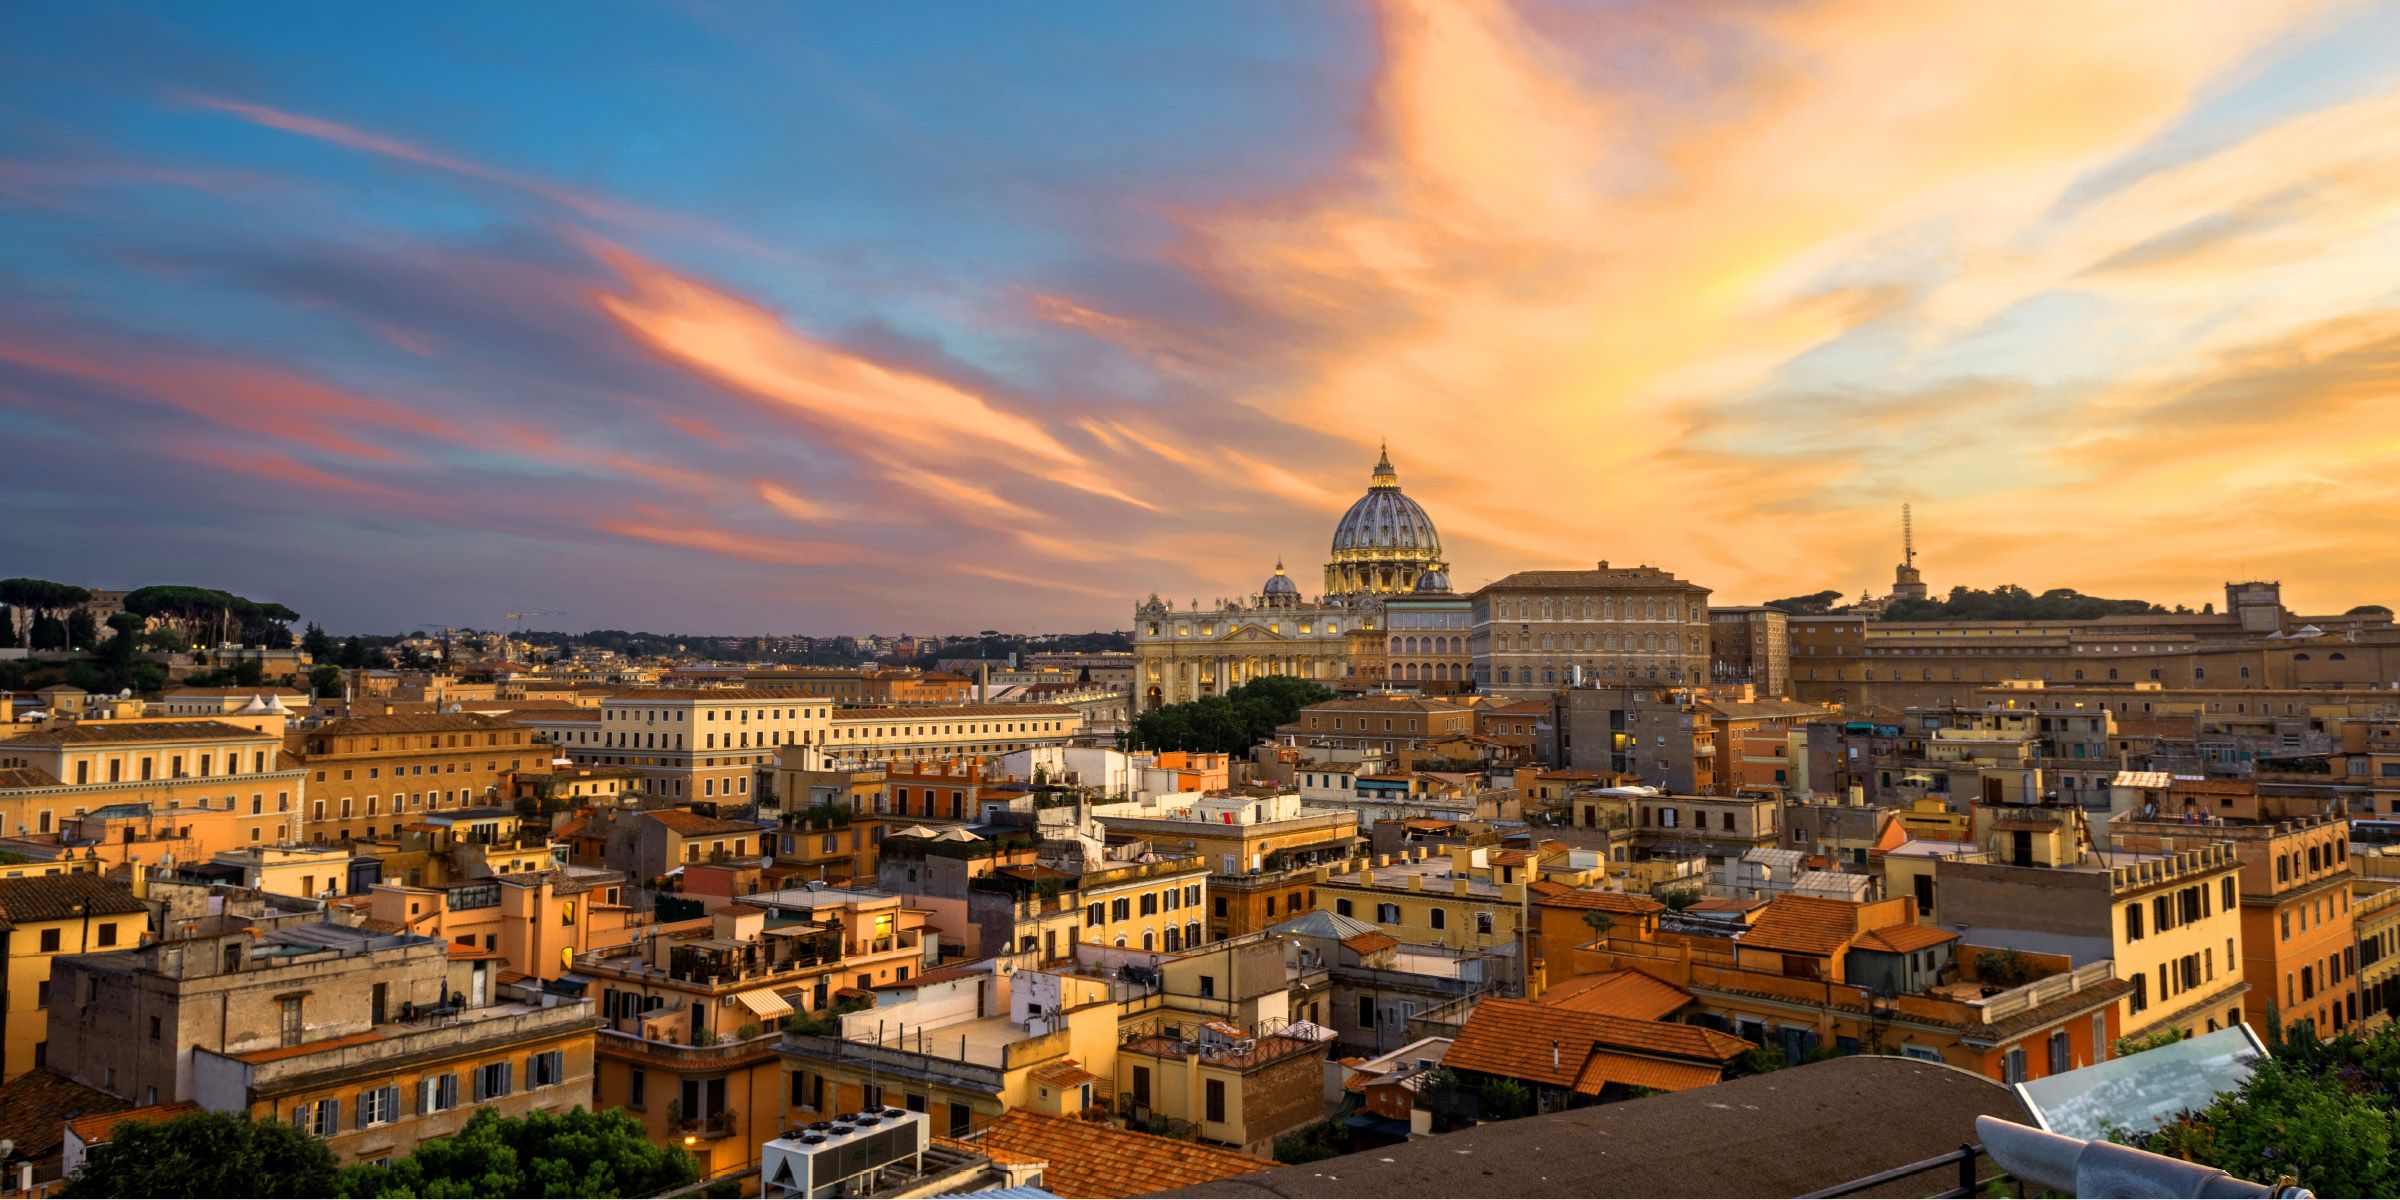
(712, 1126)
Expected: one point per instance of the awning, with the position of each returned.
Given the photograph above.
(768, 1005)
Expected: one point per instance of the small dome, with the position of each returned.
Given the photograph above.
(1280, 584)
(1433, 581)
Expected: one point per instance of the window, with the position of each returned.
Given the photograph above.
(49, 941)
(2061, 1060)
(1216, 1100)
(1366, 1012)
(2012, 1066)
(289, 1012)
(1440, 919)
(547, 1069)
(1483, 922)
(1387, 913)
(2133, 922)
(637, 1085)
(326, 1119)
(1342, 906)
(493, 1080)
(378, 1106)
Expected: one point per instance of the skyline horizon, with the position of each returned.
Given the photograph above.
(681, 315)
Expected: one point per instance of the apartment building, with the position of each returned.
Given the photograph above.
(536, 922)
(371, 1041)
(1472, 899)
(1385, 723)
(369, 776)
(867, 687)
(2172, 922)
(866, 736)
(2299, 944)
(41, 919)
(2375, 919)
(1261, 849)
(697, 744)
(1041, 888)
(693, 1016)
(188, 787)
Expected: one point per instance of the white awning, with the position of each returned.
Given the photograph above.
(768, 1005)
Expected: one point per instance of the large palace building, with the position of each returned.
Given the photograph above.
(1384, 547)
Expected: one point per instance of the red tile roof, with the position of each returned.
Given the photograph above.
(99, 1127)
(1903, 939)
(1542, 1043)
(695, 825)
(55, 898)
(1559, 895)
(1089, 1160)
(278, 1053)
(1628, 993)
(1803, 925)
(1605, 1068)
(1369, 942)
(1062, 1075)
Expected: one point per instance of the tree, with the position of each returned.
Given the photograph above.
(2319, 1111)
(325, 679)
(575, 1153)
(1230, 723)
(83, 633)
(206, 1154)
(1600, 922)
(1813, 604)
(2368, 610)
(317, 646)
(49, 633)
(8, 627)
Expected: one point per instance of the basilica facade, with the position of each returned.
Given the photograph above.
(1384, 547)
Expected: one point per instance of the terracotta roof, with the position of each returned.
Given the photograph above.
(997, 1155)
(1092, 1160)
(952, 711)
(695, 825)
(1628, 993)
(99, 1127)
(36, 1106)
(1510, 858)
(1542, 1043)
(673, 695)
(88, 733)
(435, 722)
(1558, 895)
(54, 897)
(1902, 939)
(743, 910)
(1369, 943)
(1803, 925)
(1605, 1068)
(28, 777)
(1064, 1074)
(196, 692)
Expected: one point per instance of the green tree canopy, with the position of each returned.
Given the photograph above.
(1813, 604)
(1230, 723)
(2008, 602)
(2368, 610)
(2319, 1111)
(41, 594)
(575, 1153)
(206, 1154)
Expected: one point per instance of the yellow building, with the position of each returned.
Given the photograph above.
(1468, 898)
(2375, 921)
(369, 776)
(222, 779)
(45, 917)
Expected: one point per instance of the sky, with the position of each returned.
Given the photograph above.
(743, 318)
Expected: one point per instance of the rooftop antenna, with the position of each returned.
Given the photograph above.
(1908, 538)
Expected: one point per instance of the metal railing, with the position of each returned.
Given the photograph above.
(1962, 1162)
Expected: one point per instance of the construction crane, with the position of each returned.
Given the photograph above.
(517, 619)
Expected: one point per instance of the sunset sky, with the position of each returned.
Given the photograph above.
(823, 318)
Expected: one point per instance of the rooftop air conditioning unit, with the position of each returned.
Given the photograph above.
(822, 1159)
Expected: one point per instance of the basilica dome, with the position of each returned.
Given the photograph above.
(1384, 543)
(1279, 588)
(1386, 519)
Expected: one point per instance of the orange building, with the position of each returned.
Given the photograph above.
(1809, 975)
(368, 776)
(536, 922)
(2299, 945)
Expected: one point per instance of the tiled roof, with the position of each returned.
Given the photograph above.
(1638, 576)
(1605, 1068)
(695, 825)
(1902, 939)
(1559, 895)
(89, 733)
(1803, 925)
(27, 777)
(54, 897)
(1063, 1074)
(36, 1106)
(99, 1127)
(197, 692)
(411, 723)
(1628, 993)
(1092, 1160)
(1369, 942)
(951, 712)
(1542, 1043)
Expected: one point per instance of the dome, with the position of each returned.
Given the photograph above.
(1386, 519)
(1279, 584)
(1434, 581)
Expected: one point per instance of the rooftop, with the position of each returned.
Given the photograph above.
(1787, 1133)
(33, 898)
(98, 733)
(1092, 1160)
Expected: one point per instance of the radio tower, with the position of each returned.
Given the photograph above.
(1907, 584)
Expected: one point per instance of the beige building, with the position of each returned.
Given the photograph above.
(700, 744)
(199, 785)
(860, 737)
(1537, 630)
